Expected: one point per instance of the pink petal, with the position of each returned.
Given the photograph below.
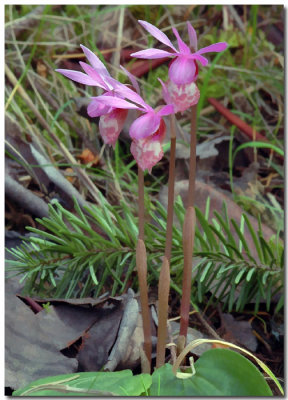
(192, 36)
(116, 102)
(94, 75)
(183, 96)
(151, 54)
(96, 109)
(146, 152)
(78, 77)
(159, 135)
(166, 110)
(216, 47)
(132, 78)
(182, 71)
(183, 48)
(95, 61)
(144, 126)
(157, 33)
(165, 93)
(196, 56)
(110, 125)
(124, 91)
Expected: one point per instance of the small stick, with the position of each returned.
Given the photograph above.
(188, 233)
(164, 278)
(141, 263)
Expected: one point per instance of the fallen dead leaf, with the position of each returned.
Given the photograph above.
(239, 332)
(88, 157)
(41, 69)
(33, 343)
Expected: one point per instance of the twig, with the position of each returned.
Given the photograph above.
(25, 198)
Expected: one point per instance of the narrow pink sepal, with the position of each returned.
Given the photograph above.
(124, 91)
(183, 96)
(95, 61)
(116, 102)
(132, 79)
(216, 47)
(110, 125)
(182, 70)
(151, 54)
(196, 56)
(192, 36)
(166, 110)
(144, 126)
(183, 48)
(157, 33)
(78, 76)
(94, 75)
(165, 93)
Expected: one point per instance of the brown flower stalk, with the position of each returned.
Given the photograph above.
(141, 263)
(188, 234)
(164, 278)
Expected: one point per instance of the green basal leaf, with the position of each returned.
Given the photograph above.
(120, 383)
(218, 372)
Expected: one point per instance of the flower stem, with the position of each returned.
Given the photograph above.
(170, 207)
(192, 160)
(164, 278)
(141, 263)
(141, 206)
(189, 233)
(163, 295)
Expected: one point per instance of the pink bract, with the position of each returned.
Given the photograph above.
(182, 71)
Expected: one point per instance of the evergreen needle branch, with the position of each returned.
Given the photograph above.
(164, 278)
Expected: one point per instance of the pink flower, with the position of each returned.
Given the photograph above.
(111, 119)
(183, 69)
(147, 131)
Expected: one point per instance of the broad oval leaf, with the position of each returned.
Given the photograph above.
(219, 372)
(120, 383)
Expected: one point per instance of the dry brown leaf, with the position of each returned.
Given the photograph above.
(88, 157)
